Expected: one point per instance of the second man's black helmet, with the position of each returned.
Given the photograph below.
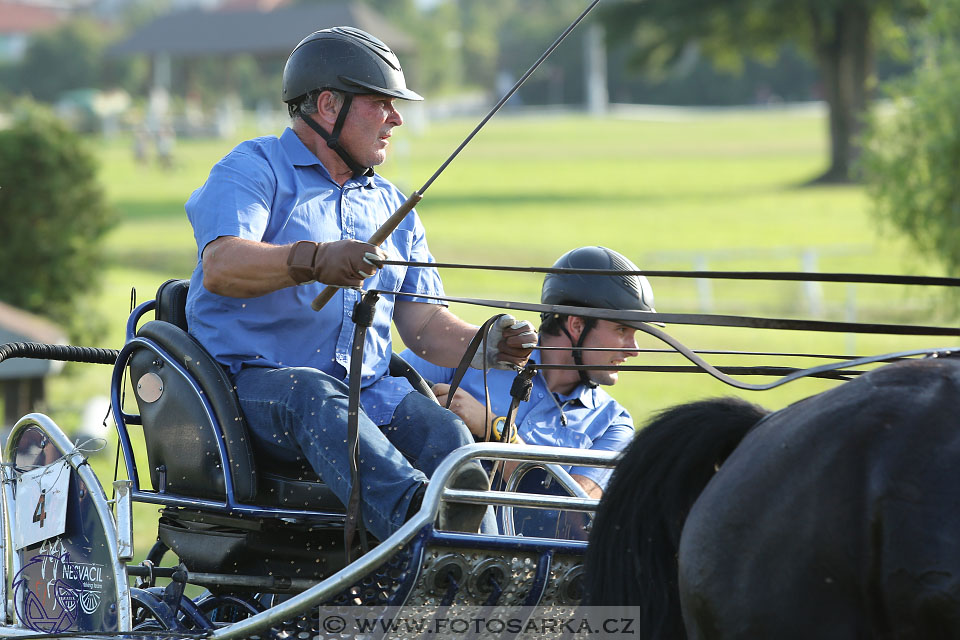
(348, 60)
(625, 292)
(629, 292)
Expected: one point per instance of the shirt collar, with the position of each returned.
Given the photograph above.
(366, 180)
(298, 153)
(586, 395)
(301, 156)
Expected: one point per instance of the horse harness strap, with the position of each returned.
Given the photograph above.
(479, 341)
(519, 392)
(788, 276)
(363, 313)
(715, 320)
(640, 320)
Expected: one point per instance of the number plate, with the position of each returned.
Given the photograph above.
(41, 504)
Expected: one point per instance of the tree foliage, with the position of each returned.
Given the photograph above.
(470, 42)
(53, 216)
(728, 32)
(69, 57)
(912, 157)
(841, 36)
(439, 64)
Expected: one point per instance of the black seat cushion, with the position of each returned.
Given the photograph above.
(181, 440)
(172, 302)
(181, 443)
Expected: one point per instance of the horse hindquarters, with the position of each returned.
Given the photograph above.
(838, 517)
(770, 550)
(631, 558)
(918, 516)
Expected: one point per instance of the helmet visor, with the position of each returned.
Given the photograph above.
(399, 92)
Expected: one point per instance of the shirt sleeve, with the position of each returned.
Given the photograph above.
(430, 372)
(234, 201)
(615, 438)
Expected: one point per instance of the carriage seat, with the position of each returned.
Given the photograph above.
(180, 436)
(181, 440)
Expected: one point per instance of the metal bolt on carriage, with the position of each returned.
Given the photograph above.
(261, 543)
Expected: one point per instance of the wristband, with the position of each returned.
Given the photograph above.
(301, 261)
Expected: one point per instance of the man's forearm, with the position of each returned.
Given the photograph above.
(433, 332)
(244, 269)
(589, 486)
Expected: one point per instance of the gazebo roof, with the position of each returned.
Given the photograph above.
(17, 325)
(207, 33)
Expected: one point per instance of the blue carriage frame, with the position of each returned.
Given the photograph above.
(414, 555)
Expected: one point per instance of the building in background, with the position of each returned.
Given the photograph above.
(22, 379)
(20, 20)
(266, 30)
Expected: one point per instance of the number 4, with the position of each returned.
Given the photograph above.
(40, 511)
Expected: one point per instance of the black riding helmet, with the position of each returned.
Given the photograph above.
(622, 291)
(348, 60)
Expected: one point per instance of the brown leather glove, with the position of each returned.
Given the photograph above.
(343, 263)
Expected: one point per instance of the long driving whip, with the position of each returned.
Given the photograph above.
(397, 217)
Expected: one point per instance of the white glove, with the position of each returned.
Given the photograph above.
(494, 336)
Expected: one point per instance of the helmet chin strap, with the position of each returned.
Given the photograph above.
(333, 138)
(577, 353)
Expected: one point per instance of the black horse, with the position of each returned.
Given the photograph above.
(836, 517)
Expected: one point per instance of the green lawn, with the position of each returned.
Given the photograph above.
(721, 188)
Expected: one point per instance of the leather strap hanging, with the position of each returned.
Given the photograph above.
(479, 340)
(363, 313)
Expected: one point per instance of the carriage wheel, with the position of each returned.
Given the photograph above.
(228, 608)
(150, 613)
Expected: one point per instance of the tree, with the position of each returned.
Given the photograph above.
(470, 42)
(68, 57)
(53, 216)
(438, 64)
(839, 35)
(529, 28)
(911, 158)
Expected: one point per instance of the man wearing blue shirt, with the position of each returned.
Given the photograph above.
(566, 407)
(276, 220)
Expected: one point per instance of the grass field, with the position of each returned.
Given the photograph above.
(719, 191)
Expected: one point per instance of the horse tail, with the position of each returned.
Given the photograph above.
(632, 554)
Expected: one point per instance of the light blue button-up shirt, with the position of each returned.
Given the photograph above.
(594, 419)
(275, 190)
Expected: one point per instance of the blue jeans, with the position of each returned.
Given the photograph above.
(303, 411)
